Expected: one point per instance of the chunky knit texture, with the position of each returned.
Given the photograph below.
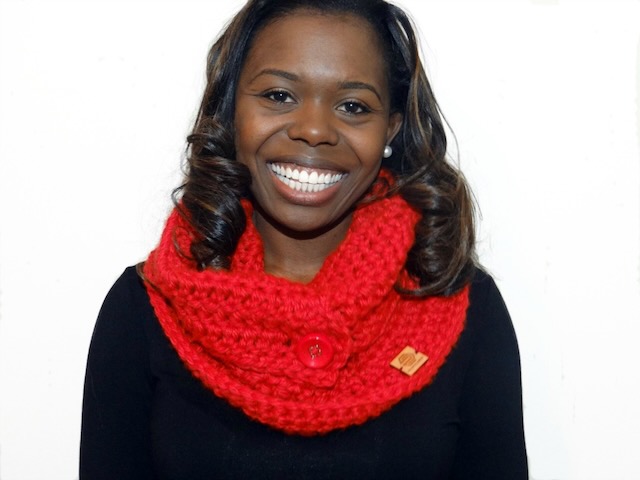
(237, 330)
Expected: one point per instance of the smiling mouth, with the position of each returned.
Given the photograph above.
(305, 179)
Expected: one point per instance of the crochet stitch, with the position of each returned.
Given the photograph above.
(237, 330)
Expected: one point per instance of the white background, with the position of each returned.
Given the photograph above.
(97, 97)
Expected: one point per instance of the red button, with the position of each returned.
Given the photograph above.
(315, 350)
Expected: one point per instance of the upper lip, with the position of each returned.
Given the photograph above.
(310, 162)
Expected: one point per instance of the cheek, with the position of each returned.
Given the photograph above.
(246, 145)
(250, 135)
(244, 127)
(369, 149)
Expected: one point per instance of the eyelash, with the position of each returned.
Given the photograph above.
(361, 107)
(271, 95)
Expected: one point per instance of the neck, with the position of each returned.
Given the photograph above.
(298, 256)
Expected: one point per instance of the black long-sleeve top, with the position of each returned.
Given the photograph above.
(146, 417)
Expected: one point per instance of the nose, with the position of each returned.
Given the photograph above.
(313, 123)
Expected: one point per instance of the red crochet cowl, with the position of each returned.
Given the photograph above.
(239, 331)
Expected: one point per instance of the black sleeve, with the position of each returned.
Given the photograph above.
(491, 443)
(115, 439)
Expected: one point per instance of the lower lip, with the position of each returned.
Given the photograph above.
(305, 198)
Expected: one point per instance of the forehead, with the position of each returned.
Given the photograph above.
(317, 43)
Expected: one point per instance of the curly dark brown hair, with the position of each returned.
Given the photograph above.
(443, 255)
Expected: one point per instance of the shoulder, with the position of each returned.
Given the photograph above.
(482, 285)
(491, 388)
(118, 386)
(128, 329)
(127, 291)
(487, 315)
(124, 312)
(484, 295)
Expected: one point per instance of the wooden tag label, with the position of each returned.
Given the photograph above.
(409, 361)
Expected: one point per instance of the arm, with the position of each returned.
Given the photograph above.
(491, 444)
(115, 439)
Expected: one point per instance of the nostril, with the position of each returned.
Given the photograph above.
(314, 129)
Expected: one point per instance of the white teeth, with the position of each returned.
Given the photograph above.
(303, 180)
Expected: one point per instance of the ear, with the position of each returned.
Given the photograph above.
(395, 122)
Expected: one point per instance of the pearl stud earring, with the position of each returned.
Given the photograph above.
(387, 152)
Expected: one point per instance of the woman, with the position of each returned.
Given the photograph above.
(313, 309)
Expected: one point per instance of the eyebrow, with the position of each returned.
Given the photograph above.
(359, 86)
(278, 73)
(350, 85)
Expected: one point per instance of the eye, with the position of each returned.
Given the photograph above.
(353, 108)
(278, 96)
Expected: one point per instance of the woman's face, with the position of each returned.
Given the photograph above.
(312, 118)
